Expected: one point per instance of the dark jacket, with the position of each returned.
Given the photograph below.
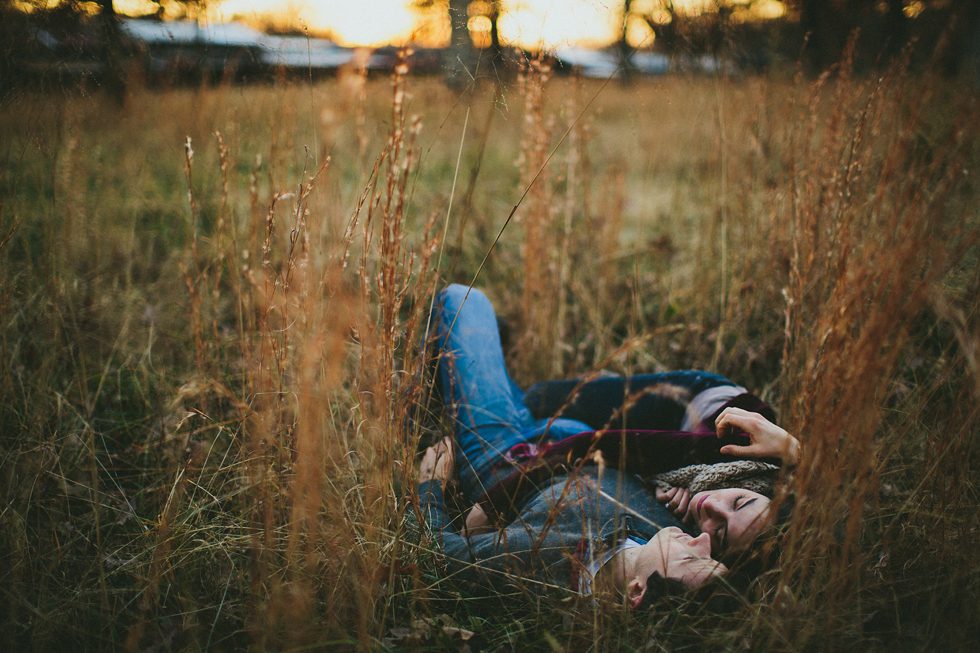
(550, 539)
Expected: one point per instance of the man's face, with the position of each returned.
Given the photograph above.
(731, 517)
(678, 556)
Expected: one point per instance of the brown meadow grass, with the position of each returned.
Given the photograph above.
(214, 388)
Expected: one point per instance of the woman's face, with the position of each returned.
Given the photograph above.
(731, 517)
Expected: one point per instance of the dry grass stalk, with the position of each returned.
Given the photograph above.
(871, 235)
(573, 212)
(365, 467)
(539, 297)
(191, 271)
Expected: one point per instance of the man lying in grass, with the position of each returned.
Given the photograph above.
(576, 533)
(566, 499)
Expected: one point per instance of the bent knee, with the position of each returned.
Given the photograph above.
(452, 296)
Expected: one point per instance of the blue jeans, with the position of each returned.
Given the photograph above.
(492, 414)
(488, 407)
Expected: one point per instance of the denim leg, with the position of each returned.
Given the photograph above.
(487, 405)
(597, 401)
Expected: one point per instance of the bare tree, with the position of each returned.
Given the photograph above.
(112, 50)
(496, 48)
(665, 31)
(459, 56)
(113, 78)
(462, 59)
(625, 49)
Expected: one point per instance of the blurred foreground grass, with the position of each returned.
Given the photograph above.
(212, 301)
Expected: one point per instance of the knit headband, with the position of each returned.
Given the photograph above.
(746, 474)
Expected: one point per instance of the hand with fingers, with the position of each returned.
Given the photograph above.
(438, 462)
(677, 500)
(766, 440)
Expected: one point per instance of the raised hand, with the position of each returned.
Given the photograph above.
(766, 440)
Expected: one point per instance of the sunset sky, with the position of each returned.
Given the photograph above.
(529, 23)
(369, 22)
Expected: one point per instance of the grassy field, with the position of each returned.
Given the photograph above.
(213, 301)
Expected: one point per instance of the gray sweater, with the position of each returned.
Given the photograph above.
(570, 519)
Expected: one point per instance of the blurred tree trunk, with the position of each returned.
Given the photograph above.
(625, 51)
(496, 49)
(459, 55)
(665, 33)
(815, 20)
(965, 58)
(11, 31)
(972, 55)
(719, 31)
(113, 79)
(896, 26)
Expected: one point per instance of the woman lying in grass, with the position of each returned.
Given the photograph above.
(568, 508)
(681, 430)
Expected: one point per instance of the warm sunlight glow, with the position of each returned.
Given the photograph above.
(555, 23)
(135, 7)
(689, 7)
(366, 22)
(913, 9)
(769, 9)
(479, 28)
(147, 7)
(360, 22)
(639, 34)
(526, 23)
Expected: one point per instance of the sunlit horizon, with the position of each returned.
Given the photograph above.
(526, 23)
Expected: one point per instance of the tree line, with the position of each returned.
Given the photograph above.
(943, 34)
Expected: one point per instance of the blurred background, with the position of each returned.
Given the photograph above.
(119, 42)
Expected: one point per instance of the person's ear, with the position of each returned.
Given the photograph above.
(635, 591)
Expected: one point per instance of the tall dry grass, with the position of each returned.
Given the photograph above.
(215, 384)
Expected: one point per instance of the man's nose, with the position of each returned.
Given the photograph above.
(702, 544)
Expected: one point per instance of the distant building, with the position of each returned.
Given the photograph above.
(606, 63)
(221, 50)
(420, 60)
(300, 52)
(185, 48)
